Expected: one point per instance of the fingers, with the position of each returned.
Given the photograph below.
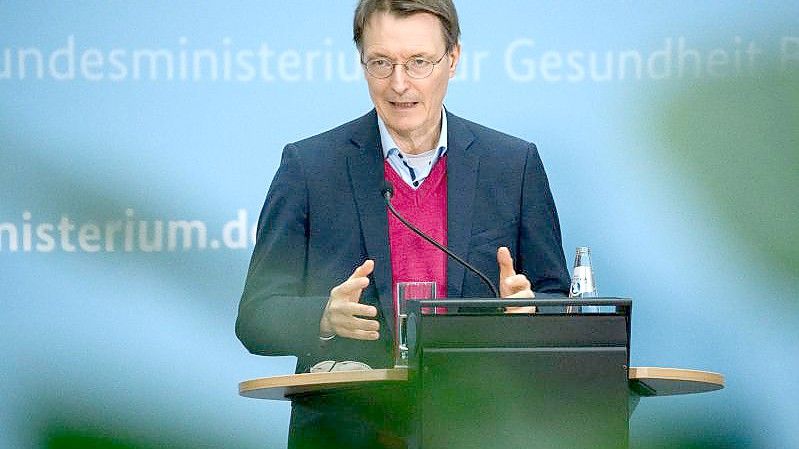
(520, 310)
(350, 289)
(516, 283)
(358, 280)
(358, 326)
(345, 321)
(505, 262)
(343, 311)
(363, 270)
(353, 309)
(359, 334)
(516, 286)
(511, 285)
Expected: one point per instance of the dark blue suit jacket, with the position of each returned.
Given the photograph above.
(324, 216)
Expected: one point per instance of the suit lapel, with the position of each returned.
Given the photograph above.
(462, 169)
(366, 174)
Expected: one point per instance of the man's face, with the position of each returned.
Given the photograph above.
(409, 107)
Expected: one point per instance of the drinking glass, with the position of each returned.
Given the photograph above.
(408, 291)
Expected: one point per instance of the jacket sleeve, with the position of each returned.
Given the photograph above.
(541, 247)
(274, 316)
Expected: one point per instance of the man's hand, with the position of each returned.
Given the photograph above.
(341, 316)
(512, 285)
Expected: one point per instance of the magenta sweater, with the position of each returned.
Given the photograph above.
(412, 258)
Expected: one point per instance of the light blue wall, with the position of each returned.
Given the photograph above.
(682, 182)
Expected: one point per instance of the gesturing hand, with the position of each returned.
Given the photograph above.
(512, 285)
(343, 311)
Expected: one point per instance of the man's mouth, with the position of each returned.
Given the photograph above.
(403, 104)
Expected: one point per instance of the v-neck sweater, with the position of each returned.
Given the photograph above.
(413, 258)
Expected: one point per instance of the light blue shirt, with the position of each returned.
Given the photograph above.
(413, 169)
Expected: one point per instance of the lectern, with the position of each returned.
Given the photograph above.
(556, 376)
(486, 378)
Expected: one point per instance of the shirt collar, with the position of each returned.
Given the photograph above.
(389, 146)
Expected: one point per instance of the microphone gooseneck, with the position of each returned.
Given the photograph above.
(387, 192)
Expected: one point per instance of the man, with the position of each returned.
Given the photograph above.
(328, 256)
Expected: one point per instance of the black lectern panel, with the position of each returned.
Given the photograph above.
(520, 381)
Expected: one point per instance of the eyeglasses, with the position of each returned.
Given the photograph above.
(415, 67)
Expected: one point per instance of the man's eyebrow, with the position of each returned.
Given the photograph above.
(375, 54)
(424, 55)
(380, 54)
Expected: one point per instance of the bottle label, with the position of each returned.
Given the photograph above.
(583, 282)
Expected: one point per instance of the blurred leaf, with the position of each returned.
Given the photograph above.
(72, 440)
(75, 439)
(679, 441)
(738, 138)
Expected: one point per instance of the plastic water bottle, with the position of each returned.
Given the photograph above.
(583, 284)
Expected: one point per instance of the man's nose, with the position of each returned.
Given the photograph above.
(399, 79)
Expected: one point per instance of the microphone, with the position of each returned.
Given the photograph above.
(387, 192)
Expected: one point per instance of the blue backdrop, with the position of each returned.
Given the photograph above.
(137, 141)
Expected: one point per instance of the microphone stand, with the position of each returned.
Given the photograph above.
(387, 192)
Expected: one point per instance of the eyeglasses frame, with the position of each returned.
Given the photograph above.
(405, 65)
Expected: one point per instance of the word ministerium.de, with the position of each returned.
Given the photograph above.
(129, 234)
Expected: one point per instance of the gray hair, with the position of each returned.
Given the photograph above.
(443, 9)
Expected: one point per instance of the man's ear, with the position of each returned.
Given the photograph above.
(454, 58)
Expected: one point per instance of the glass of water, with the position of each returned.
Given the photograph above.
(407, 291)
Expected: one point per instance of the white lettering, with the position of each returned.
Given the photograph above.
(310, 58)
(6, 72)
(660, 58)
(209, 55)
(593, 63)
(716, 60)
(528, 64)
(46, 241)
(187, 229)
(129, 230)
(111, 229)
(551, 64)
(575, 61)
(356, 73)
(68, 54)
(237, 227)
(752, 51)
(37, 58)
(88, 238)
(227, 59)
(11, 231)
(264, 55)
(183, 58)
(89, 60)
(156, 242)
(27, 236)
(288, 64)
(244, 62)
(790, 52)
(64, 227)
(120, 71)
(152, 58)
(684, 55)
(635, 58)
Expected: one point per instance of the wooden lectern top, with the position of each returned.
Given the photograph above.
(283, 387)
(652, 381)
(645, 381)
